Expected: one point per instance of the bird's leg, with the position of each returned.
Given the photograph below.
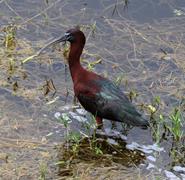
(99, 122)
(113, 125)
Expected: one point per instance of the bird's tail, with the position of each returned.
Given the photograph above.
(134, 119)
(141, 122)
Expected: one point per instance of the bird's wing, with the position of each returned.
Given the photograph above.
(107, 101)
(114, 99)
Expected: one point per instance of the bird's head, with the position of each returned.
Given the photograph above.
(74, 36)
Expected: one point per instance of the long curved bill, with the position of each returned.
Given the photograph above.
(52, 43)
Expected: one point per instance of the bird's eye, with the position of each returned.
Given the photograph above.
(69, 37)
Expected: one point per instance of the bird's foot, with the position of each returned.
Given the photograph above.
(99, 126)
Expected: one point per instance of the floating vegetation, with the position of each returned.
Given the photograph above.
(10, 37)
(49, 87)
(100, 153)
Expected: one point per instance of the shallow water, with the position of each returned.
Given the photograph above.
(127, 38)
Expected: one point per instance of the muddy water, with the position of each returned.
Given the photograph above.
(127, 38)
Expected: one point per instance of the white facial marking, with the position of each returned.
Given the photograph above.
(67, 34)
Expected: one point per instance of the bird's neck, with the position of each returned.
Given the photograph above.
(75, 67)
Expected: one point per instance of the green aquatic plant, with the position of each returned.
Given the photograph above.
(65, 120)
(74, 138)
(154, 106)
(177, 153)
(158, 123)
(97, 150)
(158, 132)
(91, 135)
(176, 124)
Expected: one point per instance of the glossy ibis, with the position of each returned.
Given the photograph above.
(97, 94)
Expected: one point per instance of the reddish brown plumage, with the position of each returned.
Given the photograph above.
(80, 76)
(96, 94)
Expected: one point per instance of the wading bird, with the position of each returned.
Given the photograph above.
(98, 95)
